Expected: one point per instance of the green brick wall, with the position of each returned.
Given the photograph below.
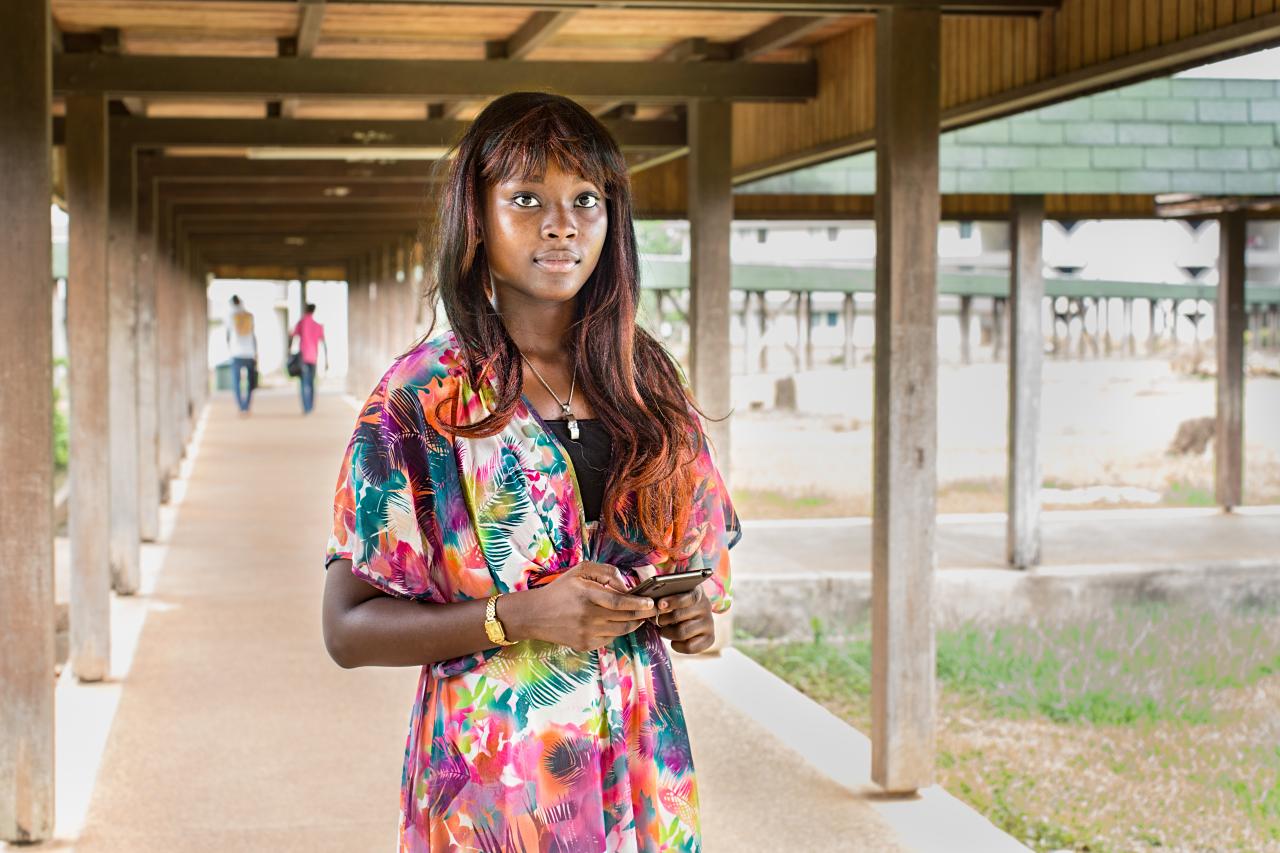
(1167, 135)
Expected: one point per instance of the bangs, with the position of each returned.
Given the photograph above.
(578, 145)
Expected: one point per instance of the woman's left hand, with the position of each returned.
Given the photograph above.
(685, 620)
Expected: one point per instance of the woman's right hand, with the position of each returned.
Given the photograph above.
(583, 608)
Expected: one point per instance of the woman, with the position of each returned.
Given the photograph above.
(507, 483)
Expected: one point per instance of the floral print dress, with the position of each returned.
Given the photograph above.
(530, 747)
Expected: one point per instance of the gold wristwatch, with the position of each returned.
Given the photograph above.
(492, 626)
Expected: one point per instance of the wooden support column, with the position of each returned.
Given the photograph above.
(169, 348)
(355, 270)
(762, 304)
(710, 188)
(1130, 345)
(903, 525)
(1026, 358)
(148, 358)
(806, 300)
(122, 362)
(849, 310)
(26, 440)
(966, 313)
(89, 509)
(997, 328)
(1230, 319)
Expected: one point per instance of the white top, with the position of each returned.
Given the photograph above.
(240, 337)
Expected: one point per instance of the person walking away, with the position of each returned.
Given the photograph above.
(243, 345)
(310, 335)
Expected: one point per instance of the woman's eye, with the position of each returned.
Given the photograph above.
(520, 196)
(592, 201)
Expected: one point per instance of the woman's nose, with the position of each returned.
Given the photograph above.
(559, 224)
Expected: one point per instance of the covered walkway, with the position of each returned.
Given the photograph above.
(235, 731)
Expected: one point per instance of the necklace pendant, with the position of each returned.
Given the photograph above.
(573, 427)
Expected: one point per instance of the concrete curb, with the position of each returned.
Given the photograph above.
(784, 605)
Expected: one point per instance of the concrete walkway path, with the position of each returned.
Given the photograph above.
(1150, 537)
(235, 731)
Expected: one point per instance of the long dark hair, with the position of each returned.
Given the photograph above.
(633, 383)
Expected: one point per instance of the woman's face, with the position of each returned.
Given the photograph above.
(543, 238)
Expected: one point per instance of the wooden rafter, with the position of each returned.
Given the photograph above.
(310, 23)
(430, 79)
(776, 7)
(436, 133)
(223, 169)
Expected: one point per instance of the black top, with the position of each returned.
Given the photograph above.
(590, 455)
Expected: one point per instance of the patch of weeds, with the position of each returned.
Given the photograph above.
(1184, 494)
(770, 503)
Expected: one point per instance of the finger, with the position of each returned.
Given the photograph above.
(627, 605)
(696, 609)
(678, 601)
(693, 646)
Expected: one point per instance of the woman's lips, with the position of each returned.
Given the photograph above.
(556, 264)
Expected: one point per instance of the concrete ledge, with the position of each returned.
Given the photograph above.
(931, 820)
(782, 605)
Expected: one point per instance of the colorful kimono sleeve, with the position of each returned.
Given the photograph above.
(384, 505)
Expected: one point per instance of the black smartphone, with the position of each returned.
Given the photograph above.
(660, 586)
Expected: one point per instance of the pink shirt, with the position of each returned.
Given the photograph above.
(310, 333)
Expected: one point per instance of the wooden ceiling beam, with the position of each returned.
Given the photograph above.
(280, 272)
(319, 192)
(539, 29)
(774, 7)
(305, 39)
(293, 212)
(197, 226)
(324, 133)
(776, 36)
(277, 78)
(222, 169)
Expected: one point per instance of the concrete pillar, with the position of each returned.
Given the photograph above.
(1229, 316)
(849, 316)
(1026, 358)
(89, 508)
(903, 526)
(148, 358)
(123, 363)
(26, 440)
(710, 218)
(966, 310)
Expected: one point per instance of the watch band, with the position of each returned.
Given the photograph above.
(492, 627)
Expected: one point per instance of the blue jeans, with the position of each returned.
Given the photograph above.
(308, 387)
(245, 394)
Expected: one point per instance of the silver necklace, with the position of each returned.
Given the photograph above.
(566, 406)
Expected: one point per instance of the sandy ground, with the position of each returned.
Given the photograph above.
(1105, 424)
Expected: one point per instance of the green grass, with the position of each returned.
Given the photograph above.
(60, 440)
(1185, 494)
(1137, 664)
(1134, 691)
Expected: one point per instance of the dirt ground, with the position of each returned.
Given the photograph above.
(1167, 785)
(1106, 426)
